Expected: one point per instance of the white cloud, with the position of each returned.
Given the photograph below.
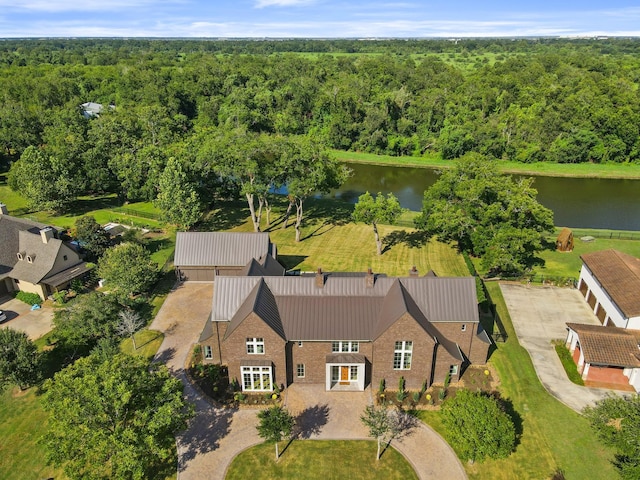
(75, 6)
(283, 3)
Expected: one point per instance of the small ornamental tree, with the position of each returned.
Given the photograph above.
(127, 269)
(275, 424)
(373, 211)
(616, 420)
(383, 424)
(130, 323)
(19, 359)
(478, 426)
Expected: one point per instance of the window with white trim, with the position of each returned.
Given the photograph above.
(353, 372)
(402, 355)
(300, 370)
(208, 352)
(255, 346)
(464, 327)
(257, 379)
(345, 347)
(453, 370)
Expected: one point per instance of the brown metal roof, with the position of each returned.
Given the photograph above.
(345, 358)
(217, 249)
(619, 275)
(345, 308)
(611, 346)
(67, 275)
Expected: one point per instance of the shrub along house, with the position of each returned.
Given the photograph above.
(33, 260)
(610, 282)
(343, 330)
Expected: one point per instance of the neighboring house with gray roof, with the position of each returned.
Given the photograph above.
(32, 259)
(343, 330)
(201, 256)
(610, 283)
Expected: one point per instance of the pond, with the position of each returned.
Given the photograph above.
(576, 202)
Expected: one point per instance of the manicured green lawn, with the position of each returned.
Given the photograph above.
(147, 341)
(554, 437)
(568, 264)
(322, 460)
(22, 423)
(541, 168)
(331, 242)
(568, 364)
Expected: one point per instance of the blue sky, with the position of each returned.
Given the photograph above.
(317, 18)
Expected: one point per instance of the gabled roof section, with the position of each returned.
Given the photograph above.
(215, 249)
(610, 346)
(9, 239)
(43, 256)
(261, 302)
(619, 275)
(398, 302)
(271, 266)
(266, 266)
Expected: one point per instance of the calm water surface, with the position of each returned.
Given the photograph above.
(576, 202)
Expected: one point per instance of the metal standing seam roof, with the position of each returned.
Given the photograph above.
(345, 308)
(610, 346)
(216, 249)
(619, 275)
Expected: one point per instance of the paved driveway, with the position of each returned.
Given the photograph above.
(539, 315)
(34, 323)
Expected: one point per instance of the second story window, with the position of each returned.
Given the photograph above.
(349, 347)
(255, 345)
(402, 355)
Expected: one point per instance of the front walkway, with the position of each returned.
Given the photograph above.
(323, 415)
(215, 436)
(539, 315)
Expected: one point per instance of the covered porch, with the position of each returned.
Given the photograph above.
(345, 372)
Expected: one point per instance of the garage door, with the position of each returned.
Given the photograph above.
(197, 274)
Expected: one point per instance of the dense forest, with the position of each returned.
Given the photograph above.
(527, 100)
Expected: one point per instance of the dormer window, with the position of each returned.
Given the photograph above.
(31, 258)
(21, 255)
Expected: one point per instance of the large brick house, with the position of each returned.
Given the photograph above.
(610, 282)
(343, 330)
(33, 259)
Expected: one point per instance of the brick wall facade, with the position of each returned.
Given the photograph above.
(407, 329)
(234, 349)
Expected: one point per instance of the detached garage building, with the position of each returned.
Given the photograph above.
(201, 256)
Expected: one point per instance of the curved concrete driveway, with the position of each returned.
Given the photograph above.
(539, 315)
(215, 436)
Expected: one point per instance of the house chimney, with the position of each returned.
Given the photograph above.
(319, 278)
(46, 234)
(3, 209)
(413, 272)
(369, 278)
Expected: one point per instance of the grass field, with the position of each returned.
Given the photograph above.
(568, 264)
(331, 242)
(585, 170)
(22, 423)
(321, 460)
(554, 437)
